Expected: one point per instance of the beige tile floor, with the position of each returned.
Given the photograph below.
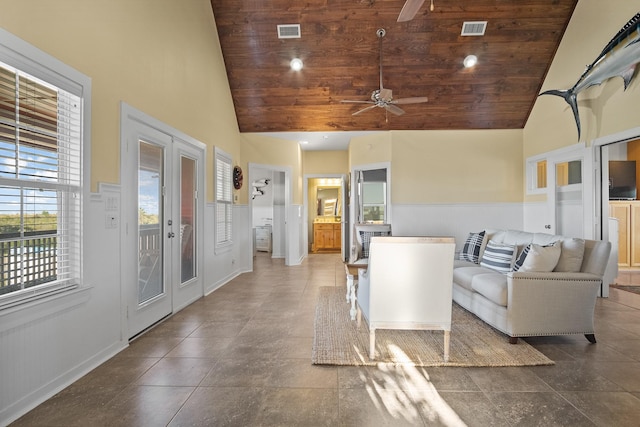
(241, 357)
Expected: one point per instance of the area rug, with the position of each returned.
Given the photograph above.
(634, 289)
(338, 341)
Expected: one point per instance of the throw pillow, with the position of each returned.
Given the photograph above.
(471, 249)
(541, 258)
(571, 254)
(365, 237)
(498, 256)
(520, 260)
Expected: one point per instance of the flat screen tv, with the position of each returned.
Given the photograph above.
(622, 180)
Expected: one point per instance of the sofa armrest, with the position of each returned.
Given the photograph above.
(551, 303)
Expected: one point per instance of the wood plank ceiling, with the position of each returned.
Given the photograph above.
(421, 57)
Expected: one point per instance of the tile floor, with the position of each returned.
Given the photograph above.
(241, 357)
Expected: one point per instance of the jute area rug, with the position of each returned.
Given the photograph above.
(628, 288)
(338, 341)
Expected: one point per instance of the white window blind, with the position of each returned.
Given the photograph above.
(40, 184)
(224, 201)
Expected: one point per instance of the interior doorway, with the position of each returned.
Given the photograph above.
(616, 191)
(270, 203)
(326, 205)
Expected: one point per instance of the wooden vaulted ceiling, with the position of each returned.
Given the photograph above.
(421, 57)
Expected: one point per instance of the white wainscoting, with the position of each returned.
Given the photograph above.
(41, 357)
(222, 265)
(456, 220)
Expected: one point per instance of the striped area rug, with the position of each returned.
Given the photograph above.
(338, 341)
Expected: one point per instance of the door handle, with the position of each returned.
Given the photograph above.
(548, 226)
(171, 234)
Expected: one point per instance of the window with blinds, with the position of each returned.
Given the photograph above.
(40, 184)
(224, 198)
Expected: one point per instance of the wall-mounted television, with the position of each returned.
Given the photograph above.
(622, 180)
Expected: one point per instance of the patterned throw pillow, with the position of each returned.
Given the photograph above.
(471, 249)
(541, 258)
(521, 258)
(498, 256)
(365, 237)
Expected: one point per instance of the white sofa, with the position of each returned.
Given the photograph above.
(407, 285)
(553, 292)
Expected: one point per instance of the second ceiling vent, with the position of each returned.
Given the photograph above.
(473, 28)
(289, 31)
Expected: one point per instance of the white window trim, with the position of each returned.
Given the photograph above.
(532, 174)
(227, 245)
(21, 55)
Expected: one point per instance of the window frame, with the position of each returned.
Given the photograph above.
(532, 174)
(223, 244)
(28, 59)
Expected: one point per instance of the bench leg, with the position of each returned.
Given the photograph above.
(513, 340)
(372, 344)
(349, 286)
(591, 338)
(447, 337)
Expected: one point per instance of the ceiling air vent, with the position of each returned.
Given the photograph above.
(474, 28)
(289, 31)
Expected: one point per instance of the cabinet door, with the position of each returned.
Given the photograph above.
(337, 236)
(622, 212)
(634, 235)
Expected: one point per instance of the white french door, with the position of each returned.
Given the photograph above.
(162, 215)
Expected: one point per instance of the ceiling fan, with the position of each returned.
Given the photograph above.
(383, 97)
(410, 9)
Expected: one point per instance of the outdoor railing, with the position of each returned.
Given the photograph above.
(26, 262)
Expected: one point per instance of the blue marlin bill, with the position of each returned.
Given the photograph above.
(618, 59)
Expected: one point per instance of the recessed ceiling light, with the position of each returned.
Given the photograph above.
(296, 64)
(304, 142)
(470, 61)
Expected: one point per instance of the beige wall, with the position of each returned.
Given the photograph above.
(329, 162)
(604, 110)
(456, 166)
(370, 149)
(160, 56)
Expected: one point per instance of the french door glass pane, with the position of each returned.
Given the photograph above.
(150, 206)
(187, 219)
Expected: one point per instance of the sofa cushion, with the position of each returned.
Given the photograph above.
(541, 258)
(498, 256)
(491, 286)
(517, 237)
(571, 254)
(471, 249)
(464, 275)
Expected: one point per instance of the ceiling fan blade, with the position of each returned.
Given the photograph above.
(393, 109)
(409, 10)
(350, 101)
(414, 100)
(386, 94)
(370, 107)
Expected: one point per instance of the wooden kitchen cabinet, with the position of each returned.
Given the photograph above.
(327, 236)
(628, 215)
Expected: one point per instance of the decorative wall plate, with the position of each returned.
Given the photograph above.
(237, 177)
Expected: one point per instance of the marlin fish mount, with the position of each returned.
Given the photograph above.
(619, 58)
